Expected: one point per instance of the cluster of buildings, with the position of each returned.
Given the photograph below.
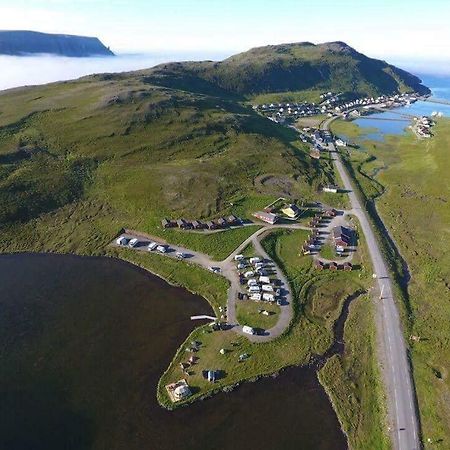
(382, 101)
(221, 222)
(320, 265)
(423, 126)
(279, 112)
(332, 104)
(290, 211)
(313, 242)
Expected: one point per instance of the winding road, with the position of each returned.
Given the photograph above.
(396, 370)
(228, 270)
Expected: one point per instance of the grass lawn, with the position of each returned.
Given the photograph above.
(248, 313)
(218, 245)
(306, 336)
(328, 251)
(412, 192)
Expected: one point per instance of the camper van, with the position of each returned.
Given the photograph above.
(255, 260)
(268, 297)
(265, 280)
(238, 257)
(256, 297)
(161, 248)
(267, 288)
(253, 289)
(152, 246)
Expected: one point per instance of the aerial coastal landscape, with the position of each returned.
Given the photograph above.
(244, 250)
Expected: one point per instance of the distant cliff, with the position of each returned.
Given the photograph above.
(26, 42)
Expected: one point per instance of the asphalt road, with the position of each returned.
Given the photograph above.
(394, 360)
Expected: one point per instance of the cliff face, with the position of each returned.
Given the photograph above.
(29, 42)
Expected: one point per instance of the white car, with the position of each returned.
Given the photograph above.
(122, 240)
(215, 269)
(180, 255)
(248, 330)
(133, 242)
(161, 248)
(152, 246)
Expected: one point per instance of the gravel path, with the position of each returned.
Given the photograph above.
(228, 270)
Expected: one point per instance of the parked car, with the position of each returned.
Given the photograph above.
(161, 248)
(152, 246)
(133, 242)
(122, 240)
(180, 255)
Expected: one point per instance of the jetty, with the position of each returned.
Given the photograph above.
(203, 317)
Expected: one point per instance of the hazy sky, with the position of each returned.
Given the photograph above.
(391, 29)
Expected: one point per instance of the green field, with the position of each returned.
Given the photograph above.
(249, 313)
(413, 193)
(80, 160)
(308, 334)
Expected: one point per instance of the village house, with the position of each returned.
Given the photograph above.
(167, 223)
(233, 220)
(181, 223)
(178, 391)
(197, 225)
(342, 237)
(347, 266)
(291, 211)
(267, 217)
(211, 225)
(222, 222)
(319, 265)
(333, 266)
(330, 213)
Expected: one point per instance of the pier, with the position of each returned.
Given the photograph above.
(203, 317)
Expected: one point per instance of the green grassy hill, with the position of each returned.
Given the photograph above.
(80, 160)
(297, 70)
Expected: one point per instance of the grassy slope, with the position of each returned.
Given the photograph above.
(414, 206)
(86, 158)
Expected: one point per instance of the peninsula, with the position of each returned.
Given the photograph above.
(21, 43)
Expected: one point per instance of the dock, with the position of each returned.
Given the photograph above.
(203, 317)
